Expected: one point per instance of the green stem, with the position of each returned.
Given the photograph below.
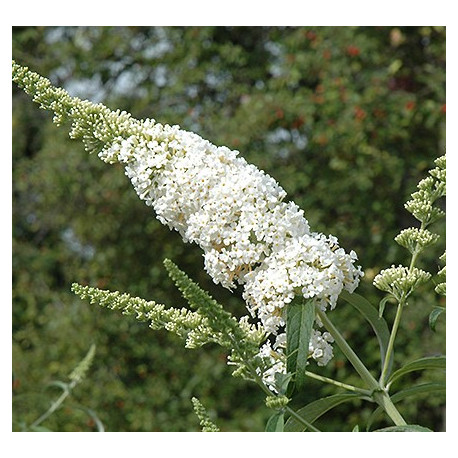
(397, 319)
(337, 383)
(377, 392)
(390, 347)
(266, 390)
(384, 400)
(359, 366)
(54, 406)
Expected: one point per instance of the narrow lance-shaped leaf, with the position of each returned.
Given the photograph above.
(377, 322)
(275, 423)
(404, 429)
(299, 321)
(282, 382)
(431, 362)
(434, 315)
(383, 302)
(315, 409)
(94, 417)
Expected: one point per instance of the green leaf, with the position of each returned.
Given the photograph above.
(98, 423)
(377, 322)
(431, 362)
(311, 412)
(282, 381)
(299, 321)
(381, 306)
(275, 423)
(434, 315)
(62, 385)
(400, 395)
(405, 429)
(355, 429)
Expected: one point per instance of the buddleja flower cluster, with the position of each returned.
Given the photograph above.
(236, 213)
(401, 281)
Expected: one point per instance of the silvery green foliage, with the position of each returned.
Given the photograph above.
(320, 350)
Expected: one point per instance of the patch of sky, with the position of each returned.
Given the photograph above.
(157, 49)
(87, 88)
(276, 67)
(283, 138)
(70, 239)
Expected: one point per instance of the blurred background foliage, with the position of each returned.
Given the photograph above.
(347, 119)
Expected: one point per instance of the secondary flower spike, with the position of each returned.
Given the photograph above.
(235, 212)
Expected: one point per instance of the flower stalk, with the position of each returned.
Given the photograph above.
(376, 391)
(401, 281)
(76, 376)
(331, 381)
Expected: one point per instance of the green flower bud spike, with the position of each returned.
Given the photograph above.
(207, 425)
(401, 281)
